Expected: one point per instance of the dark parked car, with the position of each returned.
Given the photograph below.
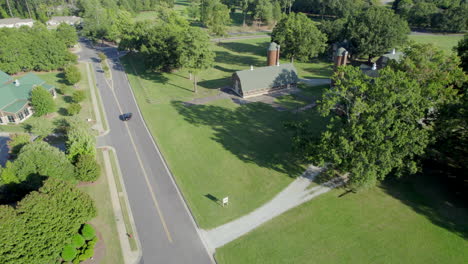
(126, 116)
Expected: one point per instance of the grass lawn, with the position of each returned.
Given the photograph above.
(219, 149)
(445, 42)
(105, 221)
(395, 223)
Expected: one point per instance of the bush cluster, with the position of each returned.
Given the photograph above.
(82, 245)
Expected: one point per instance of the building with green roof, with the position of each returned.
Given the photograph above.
(263, 80)
(15, 94)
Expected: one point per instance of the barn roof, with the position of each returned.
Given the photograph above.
(267, 77)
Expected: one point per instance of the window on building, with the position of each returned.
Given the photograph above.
(21, 116)
(26, 112)
(11, 119)
(1, 120)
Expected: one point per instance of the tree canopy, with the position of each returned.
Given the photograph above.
(42, 101)
(38, 227)
(36, 48)
(298, 37)
(375, 30)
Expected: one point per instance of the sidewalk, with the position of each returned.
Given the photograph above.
(296, 193)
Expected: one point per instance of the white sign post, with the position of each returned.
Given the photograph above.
(225, 201)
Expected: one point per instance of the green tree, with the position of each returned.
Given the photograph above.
(215, 16)
(72, 74)
(299, 37)
(41, 127)
(263, 11)
(80, 140)
(87, 169)
(16, 142)
(78, 96)
(375, 31)
(42, 101)
(197, 53)
(438, 73)
(375, 126)
(38, 227)
(73, 109)
(421, 14)
(36, 161)
(462, 51)
(67, 34)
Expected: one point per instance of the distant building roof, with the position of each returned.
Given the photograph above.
(397, 56)
(15, 93)
(14, 20)
(64, 19)
(267, 77)
(341, 51)
(370, 71)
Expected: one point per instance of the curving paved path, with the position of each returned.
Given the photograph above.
(296, 193)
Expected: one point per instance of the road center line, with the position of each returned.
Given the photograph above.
(153, 195)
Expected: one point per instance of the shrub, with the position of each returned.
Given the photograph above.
(105, 67)
(42, 101)
(78, 96)
(72, 74)
(78, 241)
(74, 109)
(80, 139)
(88, 253)
(88, 232)
(42, 127)
(68, 253)
(102, 56)
(87, 169)
(16, 142)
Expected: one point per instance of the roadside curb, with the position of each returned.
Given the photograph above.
(181, 196)
(129, 255)
(96, 100)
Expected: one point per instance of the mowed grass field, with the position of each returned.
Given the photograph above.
(444, 42)
(220, 149)
(394, 223)
(397, 222)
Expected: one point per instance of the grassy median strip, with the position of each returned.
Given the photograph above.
(105, 221)
(99, 100)
(123, 203)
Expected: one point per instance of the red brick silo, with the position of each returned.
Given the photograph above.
(273, 54)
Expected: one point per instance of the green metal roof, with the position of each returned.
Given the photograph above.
(273, 46)
(15, 106)
(341, 51)
(267, 77)
(11, 95)
(4, 78)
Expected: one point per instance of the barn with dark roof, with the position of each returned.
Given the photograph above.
(263, 80)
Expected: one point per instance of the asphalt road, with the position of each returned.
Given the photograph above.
(165, 228)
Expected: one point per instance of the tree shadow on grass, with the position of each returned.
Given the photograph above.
(255, 133)
(233, 59)
(427, 196)
(258, 49)
(215, 84)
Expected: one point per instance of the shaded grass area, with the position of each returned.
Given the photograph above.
(394, 222)
(309, 94)
(105, 220)
(122, 201)
(445, 42)
(219, 149)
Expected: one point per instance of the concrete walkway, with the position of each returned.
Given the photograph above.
(296, 193)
